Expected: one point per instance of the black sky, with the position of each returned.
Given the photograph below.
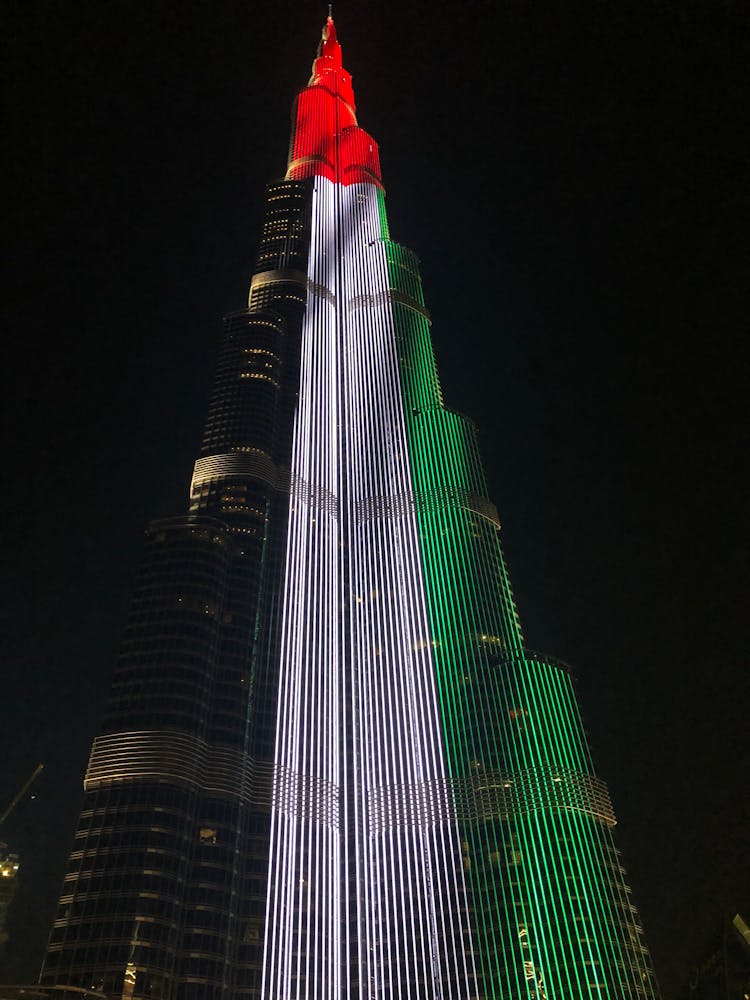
(572, 177)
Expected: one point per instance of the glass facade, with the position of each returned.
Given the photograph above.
(329, 766)
(166, 884)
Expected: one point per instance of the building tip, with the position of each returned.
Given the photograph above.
(329, 28)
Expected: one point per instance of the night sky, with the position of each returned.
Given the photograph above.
(572, 178)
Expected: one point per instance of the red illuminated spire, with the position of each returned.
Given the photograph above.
(326, 140)
(328, 70)
(329, 46)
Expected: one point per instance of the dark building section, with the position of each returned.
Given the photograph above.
(724, 974)
(36, 992)
(9, 865)
(165, 889)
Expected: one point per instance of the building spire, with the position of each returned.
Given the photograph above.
(326, 140)
(329, 42)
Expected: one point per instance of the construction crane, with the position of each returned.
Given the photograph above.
(24, 788)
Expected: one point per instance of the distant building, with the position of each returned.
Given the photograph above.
(724, 974)
(9, 864)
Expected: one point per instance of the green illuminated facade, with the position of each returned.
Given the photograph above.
(551, 912)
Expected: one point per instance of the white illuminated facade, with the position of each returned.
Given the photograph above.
(352, 882)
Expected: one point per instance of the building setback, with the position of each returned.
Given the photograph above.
(329, 766)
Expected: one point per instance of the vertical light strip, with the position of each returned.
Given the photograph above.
(355, 603)
(415, 880)
(304, 916)
(549, 901)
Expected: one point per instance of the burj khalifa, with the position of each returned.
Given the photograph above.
(330, 768)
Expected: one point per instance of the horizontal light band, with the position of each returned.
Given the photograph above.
(266, 279)
(440, 497)
(183, 758)
(489, 795)
(397, 505)
(390, 295)
(215, 770)
(239, 465)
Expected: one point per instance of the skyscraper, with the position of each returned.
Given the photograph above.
(329, 765)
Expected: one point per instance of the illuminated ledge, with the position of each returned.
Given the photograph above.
(489, 795)
(37, 992)
(219, 770)
(154, 755)
(304, 796)
(256, 464)
(441, 497)
(360, 169)
(316, 497)
(171, 756)
(396, 505)
(393, 295)
(253, 464)
(287, 276)
(266, 279)
(303, 161)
